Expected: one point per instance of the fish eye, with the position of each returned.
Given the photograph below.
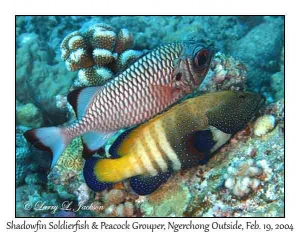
(178, 76)
(201, 58)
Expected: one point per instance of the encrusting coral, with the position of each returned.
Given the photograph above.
(98, 53)
(71, 159)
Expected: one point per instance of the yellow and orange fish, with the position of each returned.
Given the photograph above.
(185, 136)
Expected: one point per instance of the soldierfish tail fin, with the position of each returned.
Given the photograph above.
(90, 177)
(52, 139)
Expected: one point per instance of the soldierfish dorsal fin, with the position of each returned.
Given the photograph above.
(81, 98)
(144, 185)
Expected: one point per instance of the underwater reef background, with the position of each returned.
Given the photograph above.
(245, 178)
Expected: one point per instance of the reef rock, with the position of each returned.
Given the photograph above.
(260, 51)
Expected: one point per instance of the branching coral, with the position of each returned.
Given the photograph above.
(124, 41)
(30, 164)
(98, 53)
(126, 58)
(93, 76)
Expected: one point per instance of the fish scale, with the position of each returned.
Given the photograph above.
(146, 88)
(185, 136)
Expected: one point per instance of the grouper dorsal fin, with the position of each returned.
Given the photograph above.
(81, 98)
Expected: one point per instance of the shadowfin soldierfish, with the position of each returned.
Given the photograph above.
(185, 136)
(147, 87)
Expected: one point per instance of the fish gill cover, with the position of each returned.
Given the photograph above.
(58, 54)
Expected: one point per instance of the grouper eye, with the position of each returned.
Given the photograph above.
(201, 58)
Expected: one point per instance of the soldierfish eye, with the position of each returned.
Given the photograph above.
(201, 58)
(178, 76)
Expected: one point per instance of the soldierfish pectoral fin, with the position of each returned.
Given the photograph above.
(93, 141)
(90, 177)
(144, 185)
(50, 139)
(81, 98)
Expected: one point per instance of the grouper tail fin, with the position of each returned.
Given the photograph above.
(52, 139)
(100, 174)
(91, 178)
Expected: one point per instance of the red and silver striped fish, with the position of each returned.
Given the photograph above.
(144, 89)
